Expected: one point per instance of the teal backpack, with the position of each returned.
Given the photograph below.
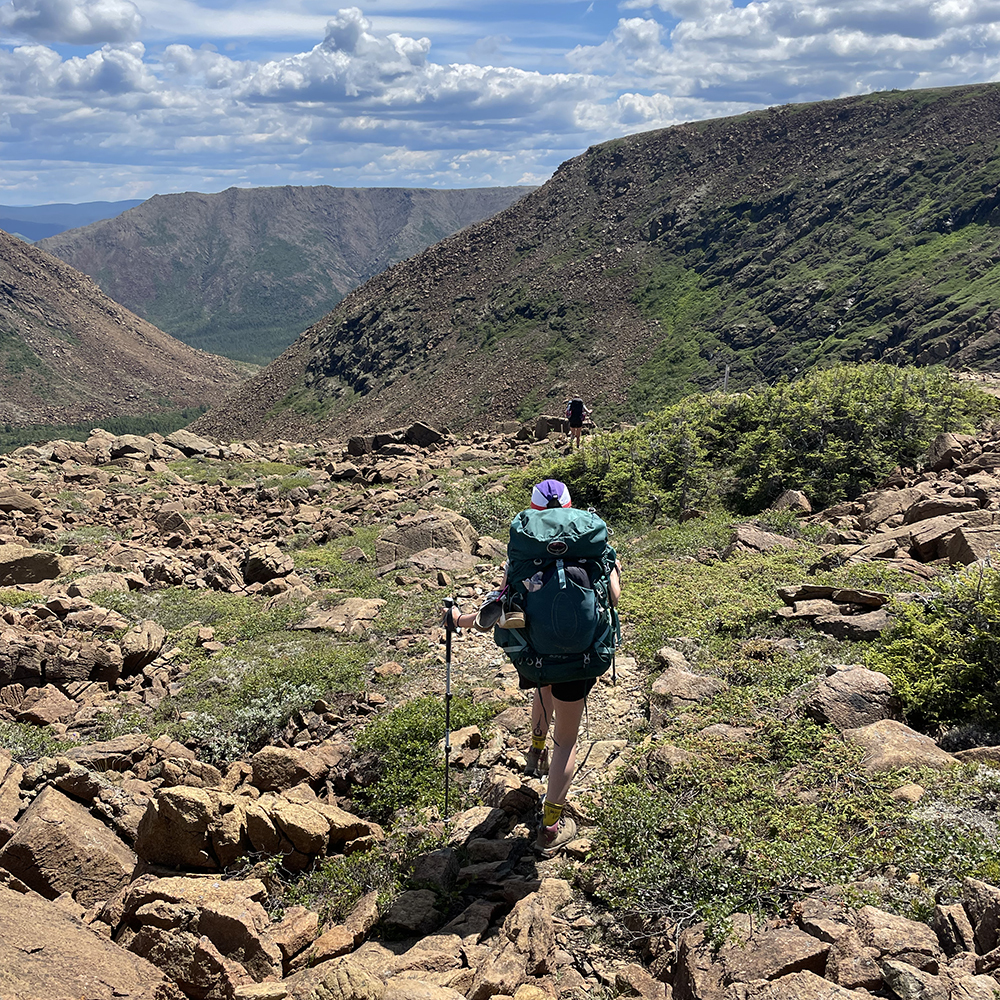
(558, 572)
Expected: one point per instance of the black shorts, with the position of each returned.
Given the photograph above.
(567, 691)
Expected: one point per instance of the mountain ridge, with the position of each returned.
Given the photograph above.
(863, 228)
(242, 272)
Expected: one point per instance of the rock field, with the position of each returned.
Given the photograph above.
(130, 867)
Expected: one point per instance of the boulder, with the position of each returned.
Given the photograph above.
(435, 528)
(276, 769)
(60, 847)
(946, 450)
(889, 745)
(982, 903)
(677, 688)
(340, 979)
(414, 912)
(797, 986)
(850, 964)
(140, 645)
(193, 444)
(20, 564)
(897, 937)
(352, 617)
(422, 435)
(772, 954)
(44, 706)
(265, 562)
(46, 954)
(852, 698)
(750, 538)
(854, 628)
(968, 545)
(13, 499)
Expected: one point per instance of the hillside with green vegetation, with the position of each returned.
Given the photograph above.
(736, 251)
(242, 273)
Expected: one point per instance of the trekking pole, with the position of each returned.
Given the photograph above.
(448, 605)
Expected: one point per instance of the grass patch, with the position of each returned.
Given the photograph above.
(265, 474)
(752, 827)
(239, 700)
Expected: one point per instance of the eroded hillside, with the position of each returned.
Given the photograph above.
(70, 354)
(649, 265)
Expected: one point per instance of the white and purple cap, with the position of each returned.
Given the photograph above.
(550, 493)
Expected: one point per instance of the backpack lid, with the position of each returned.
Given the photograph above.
(556, 533)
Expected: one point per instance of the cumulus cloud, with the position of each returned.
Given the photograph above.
(772, 51)
(370, 105)
(72, 22)
(113, 70)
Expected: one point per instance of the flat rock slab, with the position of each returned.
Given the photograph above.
(444, 559)
(47, 955)
(353, 617)
(889, 745)
(60, 847)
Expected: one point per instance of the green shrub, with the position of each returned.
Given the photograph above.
(335, 884)
(943, 654)
(833, 433)
(404, 745)
(240, 699)
(226, 735)
(16, 598)
(26, 743)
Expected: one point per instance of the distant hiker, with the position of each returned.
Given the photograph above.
(565, 577)
(575, 412)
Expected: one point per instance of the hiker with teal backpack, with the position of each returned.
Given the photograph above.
(555, 619)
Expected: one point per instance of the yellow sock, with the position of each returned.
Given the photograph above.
(537, 742)
(551, 813)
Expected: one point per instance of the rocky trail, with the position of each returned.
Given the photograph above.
(136, 858)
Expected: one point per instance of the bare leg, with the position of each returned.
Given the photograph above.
(541, 711)
(563, 760)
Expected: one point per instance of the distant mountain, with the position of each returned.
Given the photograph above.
(243, 272)
(653, 265)
(35, 222)
(68, 354)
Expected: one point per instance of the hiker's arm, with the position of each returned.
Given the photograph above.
(615, 583)
(466, 619)
(459, 619)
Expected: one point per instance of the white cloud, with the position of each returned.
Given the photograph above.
(35, 70)
(369, 104)
(75, 23)
(774, 51)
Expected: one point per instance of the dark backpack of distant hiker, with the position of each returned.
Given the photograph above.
(575, 412)
(559, 566)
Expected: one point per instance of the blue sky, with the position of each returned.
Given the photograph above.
(115, 99)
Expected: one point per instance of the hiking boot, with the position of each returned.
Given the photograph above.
(552, 839)
(536, 762)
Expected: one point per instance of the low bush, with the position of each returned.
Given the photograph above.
(240, 699)
(404, 745)
(333, 887)
(833, 433)
(753, 827)
(26, 743)
(943, 652)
